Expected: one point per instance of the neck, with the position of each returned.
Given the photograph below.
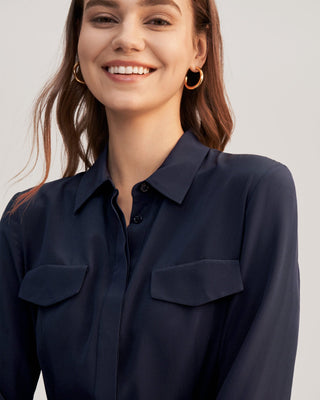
(139, 144)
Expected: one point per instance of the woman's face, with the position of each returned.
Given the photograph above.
(134, 54)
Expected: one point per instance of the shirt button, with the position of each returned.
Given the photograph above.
(144, 187)
(137, 219)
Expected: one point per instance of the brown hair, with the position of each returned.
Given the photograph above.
(205, 110)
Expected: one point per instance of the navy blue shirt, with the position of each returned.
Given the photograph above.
(198, 298)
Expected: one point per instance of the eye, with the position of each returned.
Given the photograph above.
(159, 22)
(103, 20)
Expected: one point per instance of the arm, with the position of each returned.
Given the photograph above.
(19, 367)
(261, 330)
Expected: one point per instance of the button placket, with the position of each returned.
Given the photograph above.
(143, 187)
(110, 321)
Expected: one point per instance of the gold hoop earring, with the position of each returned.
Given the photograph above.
(76, 68)
(198, 83)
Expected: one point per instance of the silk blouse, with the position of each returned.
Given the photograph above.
(197, 299)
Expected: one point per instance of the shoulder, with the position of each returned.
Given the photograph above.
(51, 195)
(252, 170)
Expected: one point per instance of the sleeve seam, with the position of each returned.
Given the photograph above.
(10, 225)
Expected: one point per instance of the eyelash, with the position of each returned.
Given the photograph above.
(102, 20)
(161, 20)
(108, 20)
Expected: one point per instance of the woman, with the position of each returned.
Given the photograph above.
(169, 268)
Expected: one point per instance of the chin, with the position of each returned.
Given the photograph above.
(123, 105)
(123, 108)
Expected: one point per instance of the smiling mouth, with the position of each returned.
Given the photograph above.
(128, 70)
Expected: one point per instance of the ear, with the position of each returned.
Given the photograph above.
(201, 49)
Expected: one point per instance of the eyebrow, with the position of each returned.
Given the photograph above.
(143, 3)
(147, 3)
(105, 3)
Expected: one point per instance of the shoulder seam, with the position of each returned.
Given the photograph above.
(6, 216)
(262, 177)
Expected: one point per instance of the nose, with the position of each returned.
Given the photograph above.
(128, 37)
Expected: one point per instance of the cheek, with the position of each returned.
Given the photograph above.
(175, 52)
(83, 46)
(89, 45)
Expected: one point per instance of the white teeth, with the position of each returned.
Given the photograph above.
(128, 70)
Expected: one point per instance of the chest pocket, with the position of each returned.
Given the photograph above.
(198, 282)
(49, 284)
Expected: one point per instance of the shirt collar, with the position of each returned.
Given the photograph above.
(173, 178)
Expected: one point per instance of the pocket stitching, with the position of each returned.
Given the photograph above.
(28, 285)
(168, 289)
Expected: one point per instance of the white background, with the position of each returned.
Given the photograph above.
(272, 75)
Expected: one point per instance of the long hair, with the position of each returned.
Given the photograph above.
(81, 118)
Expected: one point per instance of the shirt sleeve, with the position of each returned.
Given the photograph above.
(258, 348)
(19, 367)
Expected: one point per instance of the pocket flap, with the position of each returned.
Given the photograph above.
(48, 284)
(197, 282)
